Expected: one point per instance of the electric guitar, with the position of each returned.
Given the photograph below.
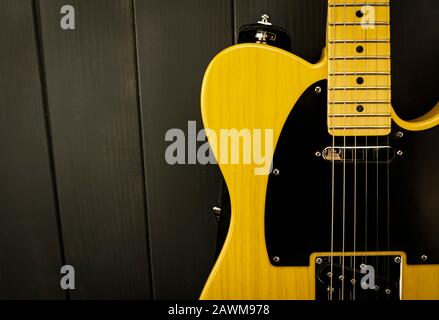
(349, 208)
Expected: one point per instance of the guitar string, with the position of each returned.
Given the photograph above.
(355, 167)
(377, 267)
(344, 158)
(332, 64)
(366, 208)
(389, 98)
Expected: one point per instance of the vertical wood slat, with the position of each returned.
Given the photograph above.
(176, 41)
(92, 101)
(30, 258)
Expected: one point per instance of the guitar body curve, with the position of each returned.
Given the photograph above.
(272, 80)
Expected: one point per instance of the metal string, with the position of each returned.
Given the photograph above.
(355, 165)
(344, 159)
(332, 106)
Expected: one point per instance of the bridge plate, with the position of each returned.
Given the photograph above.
(363, 278)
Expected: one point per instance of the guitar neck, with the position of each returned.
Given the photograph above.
(359, 79)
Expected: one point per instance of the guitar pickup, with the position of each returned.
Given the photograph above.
(361, 154)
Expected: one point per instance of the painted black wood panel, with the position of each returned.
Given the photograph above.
(176, 41)
(93, 105)
(30, 247)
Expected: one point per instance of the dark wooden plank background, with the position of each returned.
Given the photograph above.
(180, 197)
(30, 255)
(93, 106)
(83, 116)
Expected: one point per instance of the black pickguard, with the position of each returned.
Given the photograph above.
(298, 202)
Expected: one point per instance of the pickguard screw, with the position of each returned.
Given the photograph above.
(399, 153)
(318, 154)
(397, 259)
(276, 259)
(424, 257)
(318, 90)
(319, 260)
(388, 291)
(400, 134)
(276, 172)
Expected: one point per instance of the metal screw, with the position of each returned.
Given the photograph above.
(353, 281)
(400, 134)
(397, 259)
(399, 153)
(319, 260)
(216, 213)
(424, 257)
(276, 172)
(363, 266)
(318, 90)
(276, 259)
(318, 154)
(388, 291)
(376, 288)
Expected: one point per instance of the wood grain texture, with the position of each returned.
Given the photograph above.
(30, 257)
(176, 41)
(92, 98)
(243, 270)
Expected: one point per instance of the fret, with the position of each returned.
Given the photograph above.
(356, 115)
(341, 80)
(360, 73)
(356, 23)
(358, 5)
(359, 88)
(358, 127)
(359, 102)
(351, 49)
(357, 1)
(352, 109)
(360, 41)
(370, 14)
(359, 67)
(354, 65)
(358, 32)
(360, 58)
(358, 122)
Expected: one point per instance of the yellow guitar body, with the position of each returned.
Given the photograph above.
(256, 86)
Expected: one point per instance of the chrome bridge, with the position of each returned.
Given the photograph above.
(359, 278)
(359, 154)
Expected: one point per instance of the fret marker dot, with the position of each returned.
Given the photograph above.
(360, 108)
(360, 49)
(360, 80)
(359, 14)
